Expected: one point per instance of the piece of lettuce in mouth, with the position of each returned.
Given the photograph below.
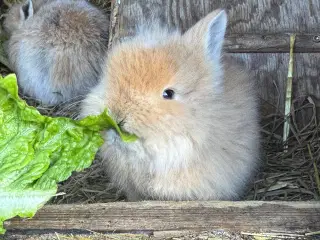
(37, 152)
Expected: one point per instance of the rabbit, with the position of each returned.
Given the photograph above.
(194, 112)
(57, 48)
(18, 12)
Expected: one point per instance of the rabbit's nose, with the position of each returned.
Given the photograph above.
(115, 115)
(125, 126)
(121, 123)
(118, 117)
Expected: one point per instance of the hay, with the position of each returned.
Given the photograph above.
(103, 4)
(89, 186)
(290, 176)
(285, 176)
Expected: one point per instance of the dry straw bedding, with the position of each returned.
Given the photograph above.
(290, 176)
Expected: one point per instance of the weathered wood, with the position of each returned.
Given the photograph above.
(244, 35)
(77, 236)
(275, 43)
(170, 235)
(245, 16)
(270, 71)
(276, 217)
(262, 43)
(181, 235)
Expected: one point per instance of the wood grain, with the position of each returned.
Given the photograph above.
(263, 43)
(274, 43)
(245, 16)
(284, 217)
(270, 73)
(253, 26)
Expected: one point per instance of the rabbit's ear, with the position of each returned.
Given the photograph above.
(208, 34)
(26, 10)
(215, 36)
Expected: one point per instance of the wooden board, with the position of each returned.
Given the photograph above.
(254, 26)
(271, 69)
(272, 43)
(245, 16)
(157, 218)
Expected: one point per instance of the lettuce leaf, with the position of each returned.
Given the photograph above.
(37, 152)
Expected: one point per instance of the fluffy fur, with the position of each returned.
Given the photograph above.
(201, 145)
(56, 47)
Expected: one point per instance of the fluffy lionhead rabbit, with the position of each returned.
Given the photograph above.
(56, 47)
(195, 115)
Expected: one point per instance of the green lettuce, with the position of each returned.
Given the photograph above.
(37, 151)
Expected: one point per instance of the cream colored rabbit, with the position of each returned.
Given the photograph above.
(195, 115)
(56, 47)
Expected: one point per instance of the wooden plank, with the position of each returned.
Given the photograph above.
(78, 236)
(245, 32)
(275, 43)
(270, 72)
(262, 43)
(180, 235)
(153, 216)
(169, 235)
(245, 16)
(239, 39)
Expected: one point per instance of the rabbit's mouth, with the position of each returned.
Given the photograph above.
(113, 142)
(126, 127)
(112, 138)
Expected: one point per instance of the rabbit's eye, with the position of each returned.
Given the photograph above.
(168, 94)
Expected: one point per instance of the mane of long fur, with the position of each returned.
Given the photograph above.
(202, 145)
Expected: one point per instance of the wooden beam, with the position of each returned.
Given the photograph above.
(245, 16)
(153, 216)
(270, 73)
(252, 27)
(276, 43)
(259, 43)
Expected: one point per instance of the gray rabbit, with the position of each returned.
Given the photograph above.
(56, 47)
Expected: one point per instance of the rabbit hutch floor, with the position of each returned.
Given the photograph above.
(282, 202)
